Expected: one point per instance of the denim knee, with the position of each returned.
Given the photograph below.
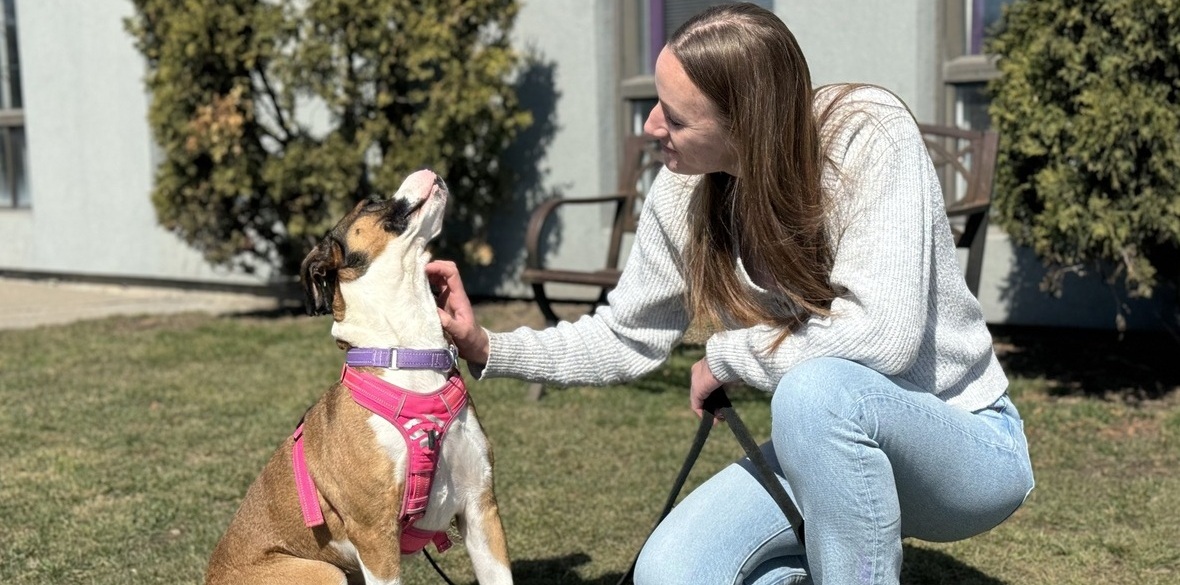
(818, 388)
(666, 559)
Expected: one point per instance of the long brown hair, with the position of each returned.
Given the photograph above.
(772, 215)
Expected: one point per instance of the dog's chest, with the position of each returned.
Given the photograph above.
(461, 465)
(391, 443)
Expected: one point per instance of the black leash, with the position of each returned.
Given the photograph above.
(717, 405)
(437, 568)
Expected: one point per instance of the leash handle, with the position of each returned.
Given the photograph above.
(698, 442)
(718, 403)
(765, 475)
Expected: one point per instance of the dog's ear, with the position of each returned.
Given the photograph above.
(318, 276)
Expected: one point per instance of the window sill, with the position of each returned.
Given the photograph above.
(970, 69)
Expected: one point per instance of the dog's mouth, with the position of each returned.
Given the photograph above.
(419, 205)
(438, 190)
(416, 208)
(398, 213)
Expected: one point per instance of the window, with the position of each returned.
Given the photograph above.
(14, 187)
(982, 17)
(967, 69)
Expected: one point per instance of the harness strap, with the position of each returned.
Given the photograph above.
(415, 539)
(309, 500)
(423, 420)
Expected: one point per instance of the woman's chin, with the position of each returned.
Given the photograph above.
(683, 170)
(673, 164)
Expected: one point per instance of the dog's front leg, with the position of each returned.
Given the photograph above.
(356, 476)
(483, 535)
(378, 553)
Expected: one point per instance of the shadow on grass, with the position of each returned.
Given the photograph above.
(559, 570)
(921, 567)
(1135, 366)
(286, 310)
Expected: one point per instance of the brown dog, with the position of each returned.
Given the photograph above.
(369, 273)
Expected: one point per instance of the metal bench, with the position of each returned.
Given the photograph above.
(640, 162)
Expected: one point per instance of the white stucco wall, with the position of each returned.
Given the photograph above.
(892, 44)
(574, 42)
(91, 155)
(89, 152)
(1010, 293)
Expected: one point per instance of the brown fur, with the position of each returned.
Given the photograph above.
(267, 541)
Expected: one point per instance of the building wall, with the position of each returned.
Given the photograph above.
(569, 85)
(891, 44)
(1010, 291)
(90, 153)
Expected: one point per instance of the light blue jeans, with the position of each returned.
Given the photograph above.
(868, 461)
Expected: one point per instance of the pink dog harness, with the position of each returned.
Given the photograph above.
(423, 420)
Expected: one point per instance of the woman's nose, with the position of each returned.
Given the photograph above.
(654, 126)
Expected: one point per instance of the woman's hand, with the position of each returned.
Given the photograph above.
(454, 309)
(702, 385)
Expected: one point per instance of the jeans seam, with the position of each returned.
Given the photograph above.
(754, 551)
(858, 406)
(950, 423)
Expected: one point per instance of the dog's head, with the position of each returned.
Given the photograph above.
(400, 226)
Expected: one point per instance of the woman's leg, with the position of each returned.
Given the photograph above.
(871, 461)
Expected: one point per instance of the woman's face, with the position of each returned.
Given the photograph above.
(687, 124)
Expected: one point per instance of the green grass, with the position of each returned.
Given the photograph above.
(128, 443)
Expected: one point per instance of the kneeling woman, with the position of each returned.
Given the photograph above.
(808, 227)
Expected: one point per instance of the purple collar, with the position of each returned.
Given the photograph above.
(401, 358)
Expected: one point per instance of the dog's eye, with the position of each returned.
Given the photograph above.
(397, 218)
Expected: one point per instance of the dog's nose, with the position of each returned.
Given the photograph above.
(418, 185)
(422, 179)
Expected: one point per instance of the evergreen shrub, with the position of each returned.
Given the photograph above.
(275, 116)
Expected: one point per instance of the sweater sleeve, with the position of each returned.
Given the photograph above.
(882, 231)
(634, 332)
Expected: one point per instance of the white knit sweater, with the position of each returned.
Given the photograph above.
(906, 312)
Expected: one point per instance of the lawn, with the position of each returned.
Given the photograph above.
(129, 442)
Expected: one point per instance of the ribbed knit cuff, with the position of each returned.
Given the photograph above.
(477, 370)
(715, 356)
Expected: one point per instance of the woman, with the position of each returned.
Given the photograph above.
(809, 228)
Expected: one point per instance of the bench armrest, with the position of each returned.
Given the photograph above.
(541, 214)
(957, 210)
